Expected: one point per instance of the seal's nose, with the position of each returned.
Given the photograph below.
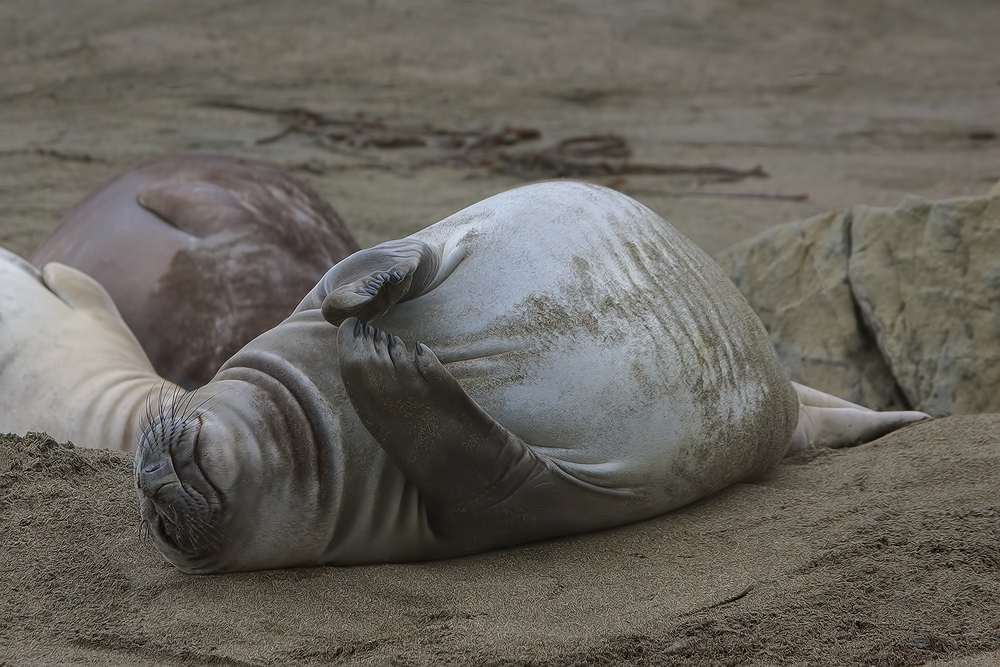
(165, 440)
(151, 476)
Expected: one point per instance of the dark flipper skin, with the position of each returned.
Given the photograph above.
(369, 282)
(470, 470)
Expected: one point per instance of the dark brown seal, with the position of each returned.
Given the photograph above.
(201, 253)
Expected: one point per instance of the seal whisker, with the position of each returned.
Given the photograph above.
(204, 536)
(207, 536)
(199, 535)
(148, 413)
(204, 405)
(177, 398)
(160, 402)
(188, 410)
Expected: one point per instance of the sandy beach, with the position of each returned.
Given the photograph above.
(726, 118)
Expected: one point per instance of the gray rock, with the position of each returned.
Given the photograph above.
(926, 276)
(795, 278)
(887, 307)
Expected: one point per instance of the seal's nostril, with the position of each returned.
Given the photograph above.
(154, 476)
(152, 468)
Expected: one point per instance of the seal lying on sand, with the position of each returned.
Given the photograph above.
(581, 365)
(69, 365)
(200, 253)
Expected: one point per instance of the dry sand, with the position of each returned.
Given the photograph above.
(885, 554)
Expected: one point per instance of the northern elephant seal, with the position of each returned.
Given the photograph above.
(69, 365)
(200, 253)
(581, 365)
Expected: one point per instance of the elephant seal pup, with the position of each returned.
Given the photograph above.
(69, 365)
(200, 253)
(581, 365)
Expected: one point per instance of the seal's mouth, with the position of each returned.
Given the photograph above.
(179, 505)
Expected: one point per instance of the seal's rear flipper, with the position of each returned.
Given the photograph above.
(481, 484)
(828, 421)
(366, 284)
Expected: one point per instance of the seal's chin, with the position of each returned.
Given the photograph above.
(178, 503)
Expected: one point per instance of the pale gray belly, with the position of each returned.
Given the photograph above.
(632, 361)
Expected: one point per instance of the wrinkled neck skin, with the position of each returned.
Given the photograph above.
(109, 407)
(229, 476)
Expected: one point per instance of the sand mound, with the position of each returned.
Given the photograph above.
(886, 554)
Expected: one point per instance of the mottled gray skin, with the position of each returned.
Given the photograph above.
(200, 253)
(580, 365)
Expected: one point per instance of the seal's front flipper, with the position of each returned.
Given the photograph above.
(828, 421)
(366, 284)
(195, 207)
(87, 296)
(442, 440)
(79, 291)
(481, 484)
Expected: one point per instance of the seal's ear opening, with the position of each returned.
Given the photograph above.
(195, 207)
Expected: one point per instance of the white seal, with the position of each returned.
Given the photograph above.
(69, 366)
(580, 365)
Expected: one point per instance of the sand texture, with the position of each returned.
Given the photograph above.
(885, 554)
(401, 113)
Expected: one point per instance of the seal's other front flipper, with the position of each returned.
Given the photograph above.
(196, 207)
(471, 471)
(81, 292)
(828, 421)
(366, 284)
